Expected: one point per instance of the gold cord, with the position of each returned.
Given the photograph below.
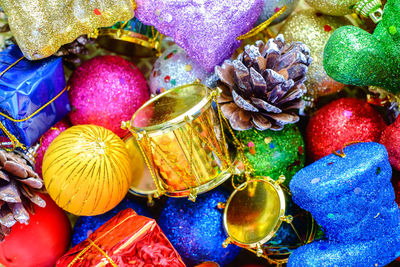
(263, 25)
(37, 111)
(12, 65)
(248, 169)
(16, 143)
(92, 243)
(342, 154)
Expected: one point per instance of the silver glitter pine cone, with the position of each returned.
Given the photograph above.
(263, 87)
(19, 185)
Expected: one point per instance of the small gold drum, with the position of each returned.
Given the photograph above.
(183, 141)
(253, 217)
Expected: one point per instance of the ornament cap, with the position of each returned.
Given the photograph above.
(369, 8)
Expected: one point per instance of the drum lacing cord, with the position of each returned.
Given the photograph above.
(248, 169)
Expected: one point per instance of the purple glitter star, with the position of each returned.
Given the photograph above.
(206, 29)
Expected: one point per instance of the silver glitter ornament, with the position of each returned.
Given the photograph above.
(273, 6)
(174, 68)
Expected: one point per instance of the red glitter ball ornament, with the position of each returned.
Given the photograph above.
(391, 140)
(341, 122)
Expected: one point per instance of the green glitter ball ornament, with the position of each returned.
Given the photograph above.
(353, 56)
(274, 153)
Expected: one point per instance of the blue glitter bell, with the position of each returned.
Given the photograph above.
(196, 229)
(86, 225)
(352, 198)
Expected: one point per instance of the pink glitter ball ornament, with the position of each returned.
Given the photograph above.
(105, 91)
(46, 140)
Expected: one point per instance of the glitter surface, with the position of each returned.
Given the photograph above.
(105, 91)
(86, 225)
(391, 139)
(309, 27)
(340, 122)
(46, 140)
(42, 26)
(273, 153)
(353, 56)
(196, 229)
(207, 30)
(354, 204)
(333, 7)
(273, 6)
(174, 68)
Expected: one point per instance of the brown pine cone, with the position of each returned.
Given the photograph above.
(263, 87)
(19, 185)
(71, 52)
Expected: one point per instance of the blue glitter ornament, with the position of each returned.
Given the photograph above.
(86, 225)
(352, 198)
(196, 229)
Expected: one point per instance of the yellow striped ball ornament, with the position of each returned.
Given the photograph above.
(87, 170)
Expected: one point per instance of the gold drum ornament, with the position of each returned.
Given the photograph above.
(182, 141)
(255, 217)
(130, 38)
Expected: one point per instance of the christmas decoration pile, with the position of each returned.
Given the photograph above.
(199, 133)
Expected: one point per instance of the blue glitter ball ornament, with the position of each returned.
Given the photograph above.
(196, 229)
(352, 198)
(86, 225)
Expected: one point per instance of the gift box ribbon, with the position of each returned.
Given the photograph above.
(93, 243)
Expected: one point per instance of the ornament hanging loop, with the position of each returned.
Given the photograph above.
(342, 154)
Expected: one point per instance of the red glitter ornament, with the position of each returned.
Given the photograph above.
(341, 122)
(46, 140)
(391, 140)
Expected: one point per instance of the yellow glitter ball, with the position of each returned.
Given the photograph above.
(314, 29)
(333, 7)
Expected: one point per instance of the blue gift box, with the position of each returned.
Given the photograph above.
(25, 89)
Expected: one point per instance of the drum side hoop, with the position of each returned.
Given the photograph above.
(177, 122)
(282, 199)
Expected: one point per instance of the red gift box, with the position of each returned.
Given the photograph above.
(128, 239)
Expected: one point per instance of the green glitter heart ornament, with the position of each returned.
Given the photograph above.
(274, 153)
(353, 56)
